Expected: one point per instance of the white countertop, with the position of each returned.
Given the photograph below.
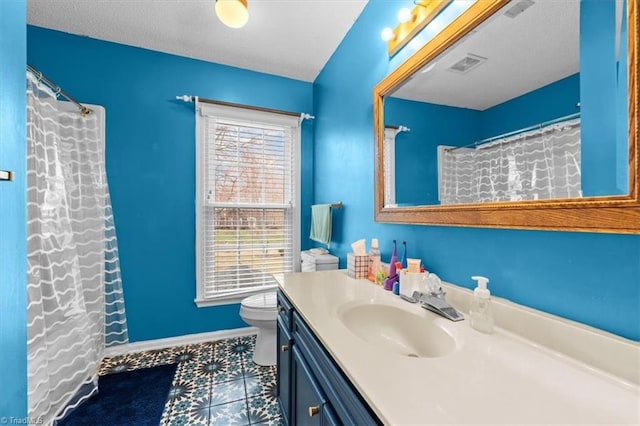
(501, 378)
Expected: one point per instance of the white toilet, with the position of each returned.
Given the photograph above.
(260, 311)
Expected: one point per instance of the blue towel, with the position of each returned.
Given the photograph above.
(321, 223)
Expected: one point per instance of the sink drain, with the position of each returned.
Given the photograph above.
(413, 356)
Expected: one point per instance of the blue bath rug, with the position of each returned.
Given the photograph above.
(134, 397)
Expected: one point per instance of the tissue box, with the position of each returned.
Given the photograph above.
(358, 265)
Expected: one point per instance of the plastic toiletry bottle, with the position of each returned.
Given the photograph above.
(375, 264)
(394, 259)
(393, 275)
(404, 255)
(396, 284)
(480, 315)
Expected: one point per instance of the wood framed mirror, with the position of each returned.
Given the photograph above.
(593, 207)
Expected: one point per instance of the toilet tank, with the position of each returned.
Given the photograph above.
(317, 262)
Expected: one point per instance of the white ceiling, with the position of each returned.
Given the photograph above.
(537, 47)
(290, 38)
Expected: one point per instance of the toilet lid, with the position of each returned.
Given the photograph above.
(262, 300)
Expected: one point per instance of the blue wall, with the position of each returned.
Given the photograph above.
(549, 102)
(416, 154)
(598, 107)
(13, 216)
(591, 278)
(150, 163)
(622, 101)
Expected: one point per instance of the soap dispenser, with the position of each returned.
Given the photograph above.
(480, 315)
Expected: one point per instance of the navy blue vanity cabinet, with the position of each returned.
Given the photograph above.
(309, 400)
(318, 392)
(285, 343)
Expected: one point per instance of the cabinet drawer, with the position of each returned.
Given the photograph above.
(285, 310)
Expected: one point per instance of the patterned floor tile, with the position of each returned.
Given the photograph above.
(259, 385)
(233, 413)
(117, 364)
(221, 370)
(253, 369)
(216, 383)
(164, 356)
(277, 421)
(190, 412)
(196, 388)
(227, 392)
(263, 408)
(188, 354)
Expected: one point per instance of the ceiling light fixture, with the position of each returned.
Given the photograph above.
(387, 34)
(232, 13)
(404, 15)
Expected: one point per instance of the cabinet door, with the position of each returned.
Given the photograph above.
(284, 370)
(329, 417)
(308, 398)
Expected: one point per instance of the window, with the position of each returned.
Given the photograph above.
(247, 222)
(389, 162)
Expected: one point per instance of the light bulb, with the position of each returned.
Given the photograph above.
(387, 34)
(404, 15)
(232, 13)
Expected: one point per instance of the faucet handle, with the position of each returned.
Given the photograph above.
(434, 285)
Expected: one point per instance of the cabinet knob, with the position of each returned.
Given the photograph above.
(314, 410)
(284, 348)
(280, 308)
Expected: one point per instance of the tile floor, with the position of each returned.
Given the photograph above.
(216, 383)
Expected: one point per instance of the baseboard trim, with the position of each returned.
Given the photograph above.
(187, 339)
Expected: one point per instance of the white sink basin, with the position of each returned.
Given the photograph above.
(397, 331)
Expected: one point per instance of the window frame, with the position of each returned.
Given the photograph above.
(204, 110)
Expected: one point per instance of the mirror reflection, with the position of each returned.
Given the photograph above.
(524, 107)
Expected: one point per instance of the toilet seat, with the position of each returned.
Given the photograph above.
(262, 301)
(261, 307)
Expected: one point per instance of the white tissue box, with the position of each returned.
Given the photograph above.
(358, 265)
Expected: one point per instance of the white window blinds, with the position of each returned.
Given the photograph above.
(246, 223)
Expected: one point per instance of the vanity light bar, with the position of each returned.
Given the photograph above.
(421, 15)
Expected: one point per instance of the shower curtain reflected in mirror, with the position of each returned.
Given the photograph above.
(75, 301)
(538, 164)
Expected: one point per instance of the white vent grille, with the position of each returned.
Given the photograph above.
(518, 8)
(467, 63)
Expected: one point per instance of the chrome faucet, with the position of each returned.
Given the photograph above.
(434, 301)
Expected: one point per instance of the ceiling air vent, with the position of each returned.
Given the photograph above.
(518, 8)
(467, 63)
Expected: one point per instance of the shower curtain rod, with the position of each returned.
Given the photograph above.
(188, 98)
(517, 132)
(58, 91)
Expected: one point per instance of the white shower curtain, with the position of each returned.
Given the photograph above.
(538, 164)
(75, 302)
